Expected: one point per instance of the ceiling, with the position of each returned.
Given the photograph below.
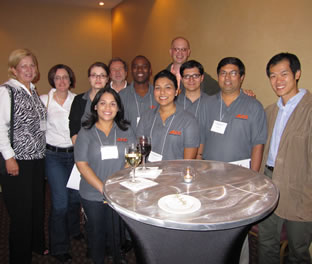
(108, 4)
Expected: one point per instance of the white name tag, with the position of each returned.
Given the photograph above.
(153, 156)
(218, 127)
(43, 125)
(109, 152)
(138, 120)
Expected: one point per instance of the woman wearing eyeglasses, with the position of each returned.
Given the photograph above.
(65, 210)
(98, 74)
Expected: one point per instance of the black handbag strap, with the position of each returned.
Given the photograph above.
(12, 113)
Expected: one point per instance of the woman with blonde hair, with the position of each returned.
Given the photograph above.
(22, 145)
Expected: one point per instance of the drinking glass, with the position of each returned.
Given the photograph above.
(144, 144)
(133, 158)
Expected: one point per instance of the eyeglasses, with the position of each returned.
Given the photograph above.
(231, 73)
(180, 49)
(64, 78)
(193, 76)
(101, 76)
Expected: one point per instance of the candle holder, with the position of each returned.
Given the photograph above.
(189, 174)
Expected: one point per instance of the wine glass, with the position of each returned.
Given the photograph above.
(133, 157)
(144, 144)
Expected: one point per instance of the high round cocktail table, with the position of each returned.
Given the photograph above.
(222, 202)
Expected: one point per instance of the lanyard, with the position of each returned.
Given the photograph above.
(151, 132)
(198, 103)
(137, 104)
(100, 138)
(221, 115)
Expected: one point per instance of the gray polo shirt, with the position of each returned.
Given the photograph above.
(246, 127)
(135, 105)
(197, 107)
(88, 148)
(180, 131)
(209, 85)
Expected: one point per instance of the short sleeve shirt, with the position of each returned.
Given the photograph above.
(246, 127)
(170, 138)
(88, 148)
(135, 105)
(196, 108)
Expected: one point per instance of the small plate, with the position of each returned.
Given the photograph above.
(179, 204)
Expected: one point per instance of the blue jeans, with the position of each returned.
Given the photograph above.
(103, 231)
(65, 209)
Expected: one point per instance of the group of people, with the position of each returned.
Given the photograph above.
(186, 113)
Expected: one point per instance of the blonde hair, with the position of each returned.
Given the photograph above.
(16, 56)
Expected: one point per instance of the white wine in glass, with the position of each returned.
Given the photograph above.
(133, 157)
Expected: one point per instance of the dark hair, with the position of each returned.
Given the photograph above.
(119, 118)
(191, 64)
(166, 74)
(98, 64)
(53, 70)
(120, 60)
(142, 57)
(293, 60)
(234, 61)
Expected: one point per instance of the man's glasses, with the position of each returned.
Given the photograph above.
(180, 49)
(193, 76)
(231, 73)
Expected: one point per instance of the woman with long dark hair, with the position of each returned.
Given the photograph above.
(99, 152)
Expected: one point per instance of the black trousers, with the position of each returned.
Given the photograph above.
(24, 199)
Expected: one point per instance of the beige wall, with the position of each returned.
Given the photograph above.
(75, 36)
(252, 30)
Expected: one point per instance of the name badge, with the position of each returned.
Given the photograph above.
(43, 125)
(138, 120)
(218, 127)
(153, 156)
(109, 152)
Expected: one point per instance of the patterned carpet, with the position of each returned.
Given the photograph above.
(78, 248)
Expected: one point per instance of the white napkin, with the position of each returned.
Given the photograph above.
(138, 185)
(150, 172)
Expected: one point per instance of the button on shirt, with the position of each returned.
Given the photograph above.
(283, 115)
(57, 133)
(183, 132)
(135, 105)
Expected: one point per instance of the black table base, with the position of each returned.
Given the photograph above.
(157, 245)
